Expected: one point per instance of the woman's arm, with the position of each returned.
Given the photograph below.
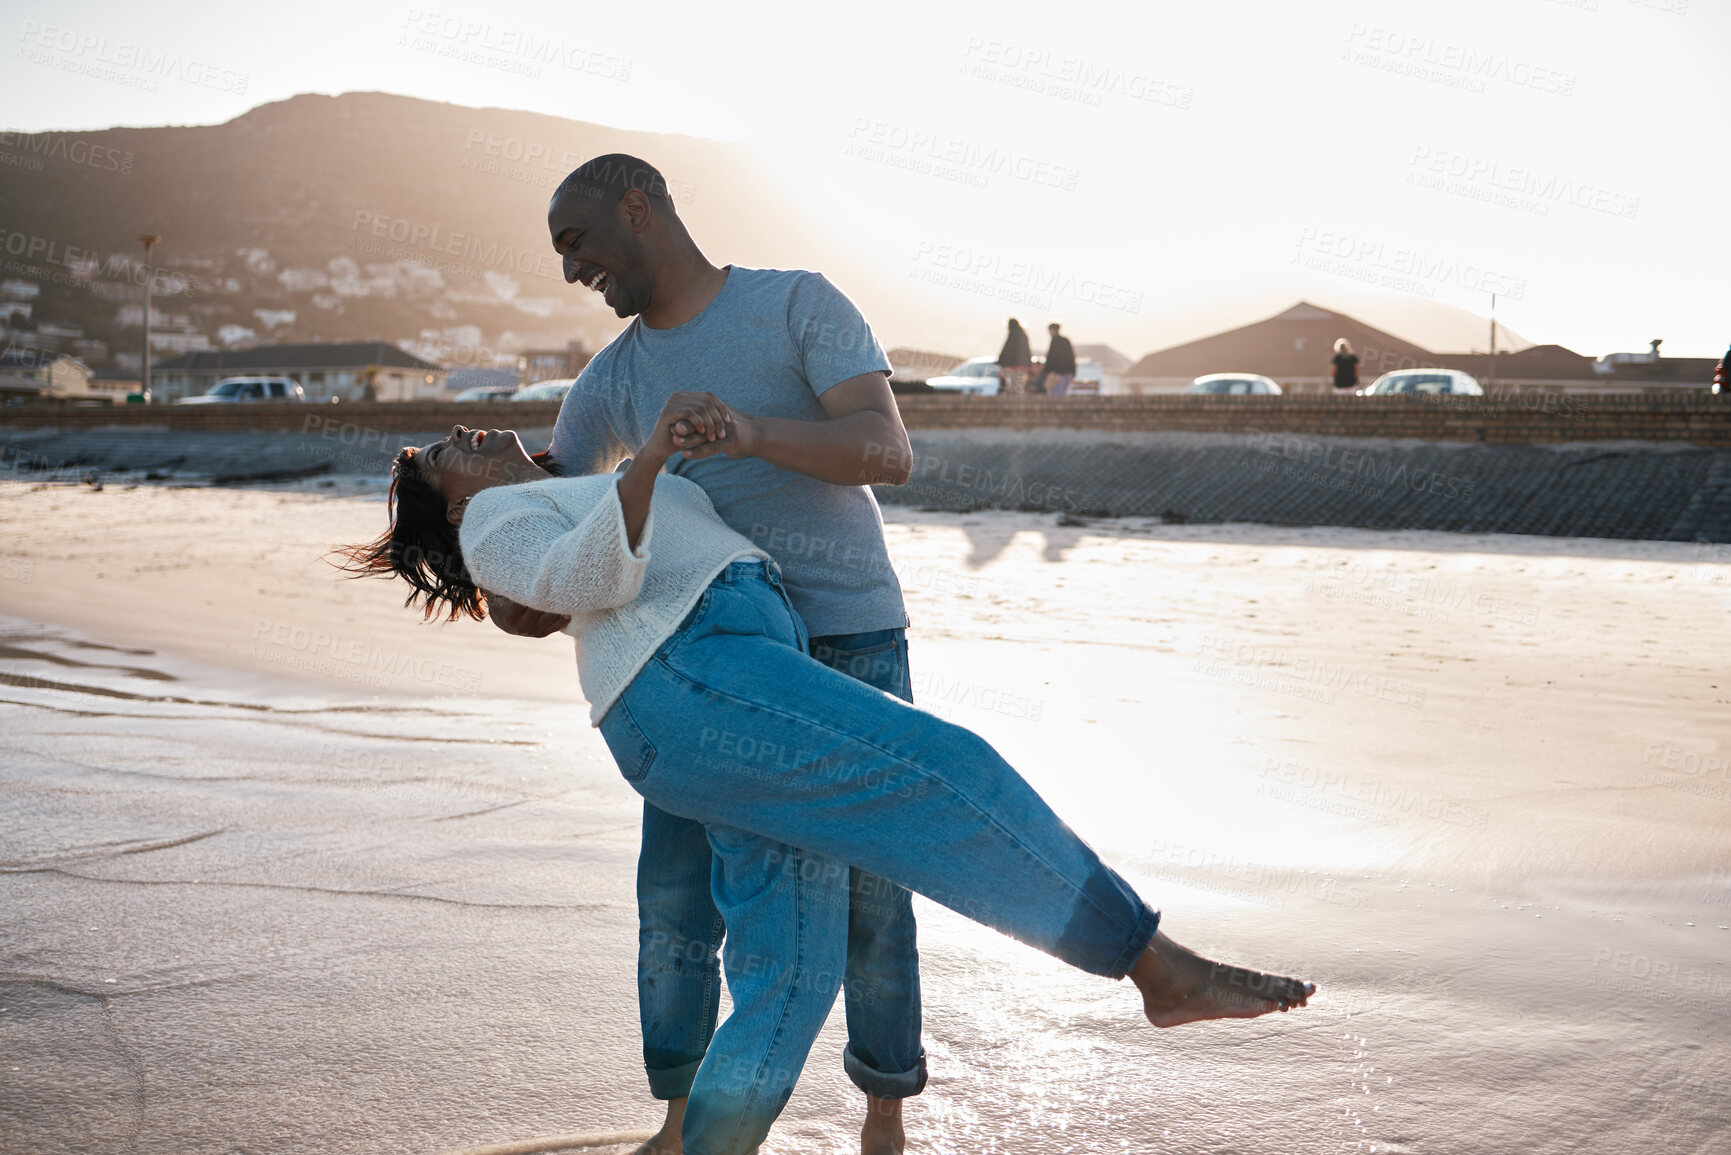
(537, 557)
(530, 550)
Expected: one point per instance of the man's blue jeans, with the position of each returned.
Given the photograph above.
(680, 932)
(733, 725)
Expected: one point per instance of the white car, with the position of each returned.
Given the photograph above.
(978, 377)
(1451, 381)
(247, 390)
(553, 390)
(1235, 385)
(1089, 381)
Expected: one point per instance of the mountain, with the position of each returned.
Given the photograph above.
(374, 216)
(258, 213)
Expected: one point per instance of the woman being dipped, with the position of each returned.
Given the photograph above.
(693, 662)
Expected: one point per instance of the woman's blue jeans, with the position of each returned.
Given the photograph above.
(732, 725)
(680, 932)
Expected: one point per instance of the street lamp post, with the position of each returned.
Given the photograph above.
(149, 275)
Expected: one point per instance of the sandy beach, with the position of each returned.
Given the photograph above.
(287, 869)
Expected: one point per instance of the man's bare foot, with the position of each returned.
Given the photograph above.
(882, 1133)
(666, 1141)
(1180, 986)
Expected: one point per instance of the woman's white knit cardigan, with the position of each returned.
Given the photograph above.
(560, 546)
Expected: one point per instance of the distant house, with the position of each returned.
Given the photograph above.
(40, 375)
(115, 387)
(553, 364)
(325, 371)
(1292, 347)
(1111, 362)
(1537, 363)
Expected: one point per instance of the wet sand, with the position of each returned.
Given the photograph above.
(286, 869)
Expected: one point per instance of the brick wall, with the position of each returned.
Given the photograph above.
(1528, 418)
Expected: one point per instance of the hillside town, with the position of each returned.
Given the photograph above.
(74, 332)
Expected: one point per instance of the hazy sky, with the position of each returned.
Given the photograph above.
(1143, 168)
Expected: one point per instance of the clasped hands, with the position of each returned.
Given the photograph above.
(692, 424)
(698, 425)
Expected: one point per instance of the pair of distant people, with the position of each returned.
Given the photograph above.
(1016, 363)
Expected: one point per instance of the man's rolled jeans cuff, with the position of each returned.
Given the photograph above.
(882, 1084)
(672, 1082)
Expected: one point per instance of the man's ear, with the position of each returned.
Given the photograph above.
(454, 511)
(637, 210)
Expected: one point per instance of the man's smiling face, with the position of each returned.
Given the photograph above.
(601, 245)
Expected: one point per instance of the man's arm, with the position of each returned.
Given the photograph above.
(859, 441)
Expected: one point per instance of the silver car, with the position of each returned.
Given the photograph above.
(977, 377)
(553, 390)
(1450, 381)
(1235, 385)
(247, 390)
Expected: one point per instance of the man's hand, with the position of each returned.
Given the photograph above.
(701, 425)
(521, 620)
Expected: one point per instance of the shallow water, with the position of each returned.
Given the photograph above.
(248, 915)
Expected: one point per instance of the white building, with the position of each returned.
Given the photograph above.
(326, 371)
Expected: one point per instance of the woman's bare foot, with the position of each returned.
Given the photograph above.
(1180, 986)
(666, 1141)
(882, 1133)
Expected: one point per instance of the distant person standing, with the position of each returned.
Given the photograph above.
(1722, 376)
(1015, 360)
(1060, 362)
(1345, 365)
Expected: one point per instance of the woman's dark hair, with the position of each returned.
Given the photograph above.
(420, 546)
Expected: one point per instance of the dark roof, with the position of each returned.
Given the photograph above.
(1293, 344)
(323, 355)
(22, 357)
(1534, 363)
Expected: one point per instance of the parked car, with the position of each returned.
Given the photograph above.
(553, 390)
(1235, 385)
(1088, 381)
(487, 393)
(977, 377)
(244, 390)
(1451, 381)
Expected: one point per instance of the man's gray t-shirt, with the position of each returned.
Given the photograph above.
(768, 345)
